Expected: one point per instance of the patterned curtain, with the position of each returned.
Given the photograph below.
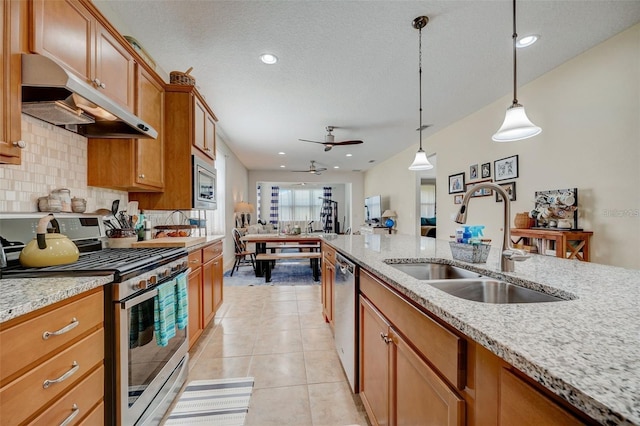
(273, 211)
(327, 210)
(259, 202)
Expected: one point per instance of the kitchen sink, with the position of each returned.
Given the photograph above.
(489, 290)
(434, 271)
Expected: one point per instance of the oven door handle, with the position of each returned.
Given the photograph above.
(139, 299)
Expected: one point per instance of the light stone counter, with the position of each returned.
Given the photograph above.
(23, 295)
(586, 350)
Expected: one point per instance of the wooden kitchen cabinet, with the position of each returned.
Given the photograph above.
(133, 164)
(72, 359)
(10, 95)
(400, 385)
(205, 287)
(204, 128)
(328, 278)
(69, 32)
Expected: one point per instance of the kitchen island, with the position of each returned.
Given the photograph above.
(586, 350)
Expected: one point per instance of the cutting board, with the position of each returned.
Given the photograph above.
(170, 242)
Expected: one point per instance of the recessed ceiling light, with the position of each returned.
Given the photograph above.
(526, 41)
(281, 153)
(336, 167)
(268, 58)
(349, 155)
(282, 166)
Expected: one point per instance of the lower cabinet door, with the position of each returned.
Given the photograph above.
(218, 272)
(420, 397)
(374, 363)
(195, 309)
(208, 276)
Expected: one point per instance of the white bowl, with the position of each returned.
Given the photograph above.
(121, 242)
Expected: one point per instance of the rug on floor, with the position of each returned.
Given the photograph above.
(286, 272)
(222, 402)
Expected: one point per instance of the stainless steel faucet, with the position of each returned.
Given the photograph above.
(509, 253)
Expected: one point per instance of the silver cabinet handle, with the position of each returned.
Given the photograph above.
(99, 84)
(74, 413)
(65, 376)
(74, 324)
(20, 144)
(385, 337)
(141, 176)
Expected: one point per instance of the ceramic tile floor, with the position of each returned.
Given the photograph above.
(277, 334)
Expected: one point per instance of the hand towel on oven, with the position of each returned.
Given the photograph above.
(165, 313)
(182, 301)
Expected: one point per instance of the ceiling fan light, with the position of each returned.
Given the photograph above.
(421, 162)
(516, 126)
(268, 58)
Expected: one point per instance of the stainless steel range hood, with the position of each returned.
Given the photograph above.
(55, 95)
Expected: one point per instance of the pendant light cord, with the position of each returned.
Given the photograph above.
(420, 78)
(515, 69)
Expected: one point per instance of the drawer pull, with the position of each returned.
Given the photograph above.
(74, 413)
(74, 324)
(65, 376)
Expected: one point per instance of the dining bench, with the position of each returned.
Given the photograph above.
(268, 258)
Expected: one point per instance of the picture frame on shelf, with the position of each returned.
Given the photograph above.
(457, 199)
(510, 187)
(456, 183)
(506, 168)
(485, 170)
(473, 172)
(483, 192)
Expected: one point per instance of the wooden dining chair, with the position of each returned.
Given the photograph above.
(243, 256)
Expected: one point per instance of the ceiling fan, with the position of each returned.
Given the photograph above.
(312, 169)
(329, 140)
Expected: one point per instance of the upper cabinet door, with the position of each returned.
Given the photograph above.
(150, 152)
(210, 136)
(114, 69)
(64, 30)
(199, 118)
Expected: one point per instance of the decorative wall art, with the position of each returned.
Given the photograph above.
(483, 192)
(473, 172)
(510, 187)
(457, 199)
(556, 208)
(485, 170)
(506, 168)
(456, 183)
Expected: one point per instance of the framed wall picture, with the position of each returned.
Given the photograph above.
(473, 172)
(456, 183)
(506, 168)
(510, 187)
(483, 192)
(485, 170)
(457, 199)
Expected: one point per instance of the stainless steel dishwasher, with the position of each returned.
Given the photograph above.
(345, 318)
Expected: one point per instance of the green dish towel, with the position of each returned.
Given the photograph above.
(164, 312)
(182, 301)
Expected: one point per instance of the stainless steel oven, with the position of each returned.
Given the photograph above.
(149, 372)
(204, 184)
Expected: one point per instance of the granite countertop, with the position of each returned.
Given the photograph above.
(586, 350)
(23, 295)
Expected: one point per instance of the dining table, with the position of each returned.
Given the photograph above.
(261, 241)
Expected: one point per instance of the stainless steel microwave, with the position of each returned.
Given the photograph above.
(204, 184)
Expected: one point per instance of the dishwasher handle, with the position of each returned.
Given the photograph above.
(344, 265)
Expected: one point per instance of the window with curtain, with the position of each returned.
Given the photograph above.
(428, 200)
(300, 204)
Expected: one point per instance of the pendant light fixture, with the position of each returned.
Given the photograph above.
(516, 125)
(421, 162)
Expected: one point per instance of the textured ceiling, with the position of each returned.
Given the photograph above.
(354, 65)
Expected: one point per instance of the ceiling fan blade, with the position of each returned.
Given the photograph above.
(306, 140)
(354, 142)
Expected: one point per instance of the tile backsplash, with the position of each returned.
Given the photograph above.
(53, 158)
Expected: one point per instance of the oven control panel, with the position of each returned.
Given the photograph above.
(149, 279)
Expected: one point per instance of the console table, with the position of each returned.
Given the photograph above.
(568, 244)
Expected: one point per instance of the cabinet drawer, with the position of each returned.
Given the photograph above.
(211, 251)
(25, 395)
(328, 253)
(444, 350)
(195, 259)
(95, 417)
(24, 343)
(85, 396)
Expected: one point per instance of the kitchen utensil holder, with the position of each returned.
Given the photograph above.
(471, 253)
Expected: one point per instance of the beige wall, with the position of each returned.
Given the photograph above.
(589, 110)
